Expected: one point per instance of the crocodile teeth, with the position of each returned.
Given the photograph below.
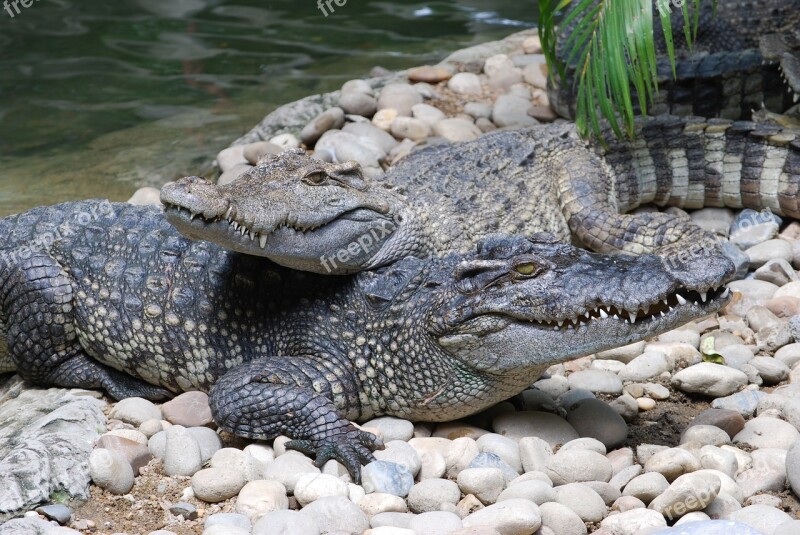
(603, 314)
(560, 323)
(228, 213)
(725, 293)
(632, 316)
(262, 240)
(703, 296)
(680, 299)
(587, 315)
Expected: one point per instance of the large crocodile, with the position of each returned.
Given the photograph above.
(328, 218)
(94, 294)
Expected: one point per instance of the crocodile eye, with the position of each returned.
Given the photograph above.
(315, 177)
(528, 268)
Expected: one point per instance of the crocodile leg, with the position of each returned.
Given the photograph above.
(36, 306)
(291, 396)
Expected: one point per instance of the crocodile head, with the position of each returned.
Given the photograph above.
(784, 48)
(529, 303)
(290, 208)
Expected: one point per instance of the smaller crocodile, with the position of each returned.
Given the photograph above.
(329, 218)
(101, 295)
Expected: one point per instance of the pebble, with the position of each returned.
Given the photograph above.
(711, 527)
(596, 381)
(234, 520)
(623, 353)
(129, 434)
(505, 448)
(182, 456)
(509, 517)
(286, 522)
(254, 151)
(285, 141)
(330, 119)
(549, 427)
(135, 453)
(387, 477)
(189, 409)
(672, 463)
(709, 380)
(356, 103)
(435, 523)
(646, 487)
(311, 487)
(578, 465)
(763, 518)
(594, 418)
(705, 434)
(771, 370)
(763, 432)
(378, 502)
(337, 514)
(465, 83)
(689, 492)
(289, 468)
(534, 490)
(633, 521)
(150, 427)
(536, 75)
(777, 271)
(400, 452)
(789, 354)
(459, 454)
(736, 356)
(533, 453)
(744, 402)
(714, 458)
(110, 471)
(624, 476)
(58, 512)
(233, 173)
(430, 494)
(606, 491)
(431, 74)
(427, 113)
(765, 251)
(135, 411)
(492, 460)
(478, 110)
(184, 510)
(793, 468)
(582, 500)
(260, 497)
(208, 440)
(410, 128)
(456, 130)
(486, 484)
(512, 111)
(645, 366)
(399, 97)
(586, 443)
(383, 119)
(561, 519)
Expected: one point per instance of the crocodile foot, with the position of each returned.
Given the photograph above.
(352, 448)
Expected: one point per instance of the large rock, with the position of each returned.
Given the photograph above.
(46, 438)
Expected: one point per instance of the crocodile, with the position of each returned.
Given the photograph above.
(744, 56)
(106, 295)
(329, 218)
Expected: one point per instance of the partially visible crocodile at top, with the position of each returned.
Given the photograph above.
(328, 218)
(735, 65)
(102, 295)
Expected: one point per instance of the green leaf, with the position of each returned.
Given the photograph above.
(709, 352)
(609, 48)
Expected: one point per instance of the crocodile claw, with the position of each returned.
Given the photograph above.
(352, 448)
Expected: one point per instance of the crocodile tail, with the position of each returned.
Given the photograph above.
(691, 162)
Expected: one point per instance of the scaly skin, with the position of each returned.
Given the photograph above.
(542, 179)
(94, 294)
(728, 72)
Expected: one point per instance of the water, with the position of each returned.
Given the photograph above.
(98, 98)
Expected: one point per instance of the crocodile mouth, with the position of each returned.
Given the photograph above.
(679, 306)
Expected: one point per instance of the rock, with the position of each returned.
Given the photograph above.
(709, 380)
(260, 497)
(233, 173)
(285, 141)
(744, 402)
(357, 86)
(790, 527)
(400, 97)
(710, 527)
(478, 110)
(378, 502)
(435, 523)
(136, 454)
(536, 75)
(208, 440)
(763, 252)
(626, 407)
(410, 128)
(534, 490)
(311, 487)
(505, 448)
(783, 307)
(582, 500)
(492, 460)
(330, 119)
(254, 151)
(182, 455)
(771, 370)
(631, 522)
(184, 510)
(431, 74)
(534, 453)
(561, 519)
(543, 114)
(284, 522)
(231, 157)
(646, 487)
(586, 443)
(465, 83)
(486, 484)
(763, 518)
(427, 114)
(751, 228)
(214, 485)
(705, 435)
(672, 463)
(289, 468)
(356, 103)
(345, 146)
(400, 452)
(58, 512)
(778, 271)
(594, 418)
(392, 428)
(189, 409)
(337, 514)
(383, 119)
(768, 473)
(430, 494)
(623, 353)
(736, 356)
(456, 130)
(762, 432)
(129, 434)
(110, 471)
(576, 466)
(714, 220)
(754, 292)
(624, 476)
(789, 354)
(509, 517)
(645, 366)
(548, 427)
(135, 411)
(387, 477)
(689, 492)
(793, 468)
(510, 110)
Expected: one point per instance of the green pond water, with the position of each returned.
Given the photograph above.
(98, 98)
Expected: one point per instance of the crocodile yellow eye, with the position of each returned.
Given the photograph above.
(317, 177)
(525, 269)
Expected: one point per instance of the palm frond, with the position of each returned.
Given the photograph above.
(611, 45)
